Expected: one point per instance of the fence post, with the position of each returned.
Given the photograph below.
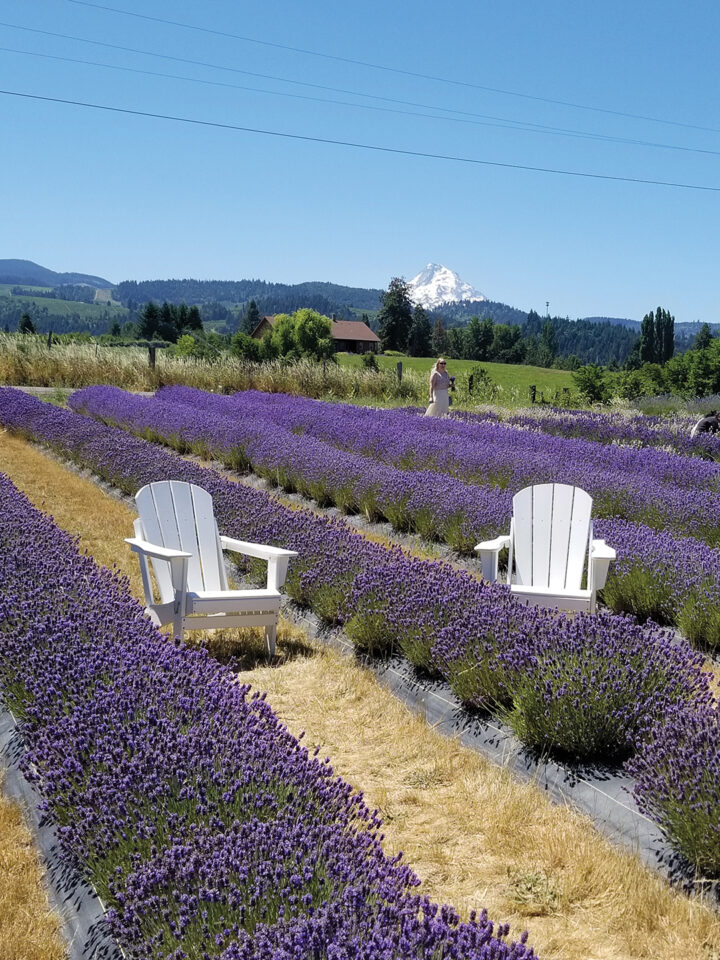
(533, 392)
(470, 384)
(50, 339)
(399, 371)
(151, 357)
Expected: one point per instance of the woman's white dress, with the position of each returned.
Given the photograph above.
(439, 387)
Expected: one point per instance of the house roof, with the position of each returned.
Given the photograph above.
(269, 320)
(353, 330)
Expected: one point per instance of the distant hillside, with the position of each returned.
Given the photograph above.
(457, 314)
(615, 321)
(270, 298)
(29, 273)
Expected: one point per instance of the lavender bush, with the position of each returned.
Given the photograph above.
(209, 830)
(677, 775)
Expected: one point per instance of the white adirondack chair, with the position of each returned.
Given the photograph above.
(177, 534)
(550, 540)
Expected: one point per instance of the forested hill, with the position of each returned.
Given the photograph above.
(458, 314)
(269, 297)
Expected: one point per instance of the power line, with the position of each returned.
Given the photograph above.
(388, 69)
(501, 123)
(357, 145)
(479, 118)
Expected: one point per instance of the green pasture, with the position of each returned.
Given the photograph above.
(61, 308)
(511, 380)
(5, 288)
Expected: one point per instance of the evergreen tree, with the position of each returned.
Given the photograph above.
(251, 318)
(420, 336)
(647, 339)
(547, 348)
(668, 343)
(439, 340)
(148, 321)
(396, 315)
(479, 338)
(194, 319)
(25, 324)
(703, 338)
(457, 343)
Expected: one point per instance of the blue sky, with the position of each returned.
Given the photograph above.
(137, 197)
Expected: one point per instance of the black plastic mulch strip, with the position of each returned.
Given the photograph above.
(601, 792)
(81, 913)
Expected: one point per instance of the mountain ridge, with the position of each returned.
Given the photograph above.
(29, 272)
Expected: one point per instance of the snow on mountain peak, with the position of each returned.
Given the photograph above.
(437, 284)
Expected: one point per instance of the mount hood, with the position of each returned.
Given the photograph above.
(437, 284)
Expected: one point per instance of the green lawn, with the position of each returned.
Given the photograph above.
(513, 381)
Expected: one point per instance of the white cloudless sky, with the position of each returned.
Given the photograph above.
(612, 89)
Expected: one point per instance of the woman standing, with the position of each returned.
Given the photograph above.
(439, 386)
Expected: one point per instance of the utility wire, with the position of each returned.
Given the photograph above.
(480, 118)
(388, 69)
(357, 145)
(498, 122)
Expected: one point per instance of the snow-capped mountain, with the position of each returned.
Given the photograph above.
(437, 284)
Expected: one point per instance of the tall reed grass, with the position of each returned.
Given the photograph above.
(27, 361)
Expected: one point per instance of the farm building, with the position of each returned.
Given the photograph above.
(350, 336)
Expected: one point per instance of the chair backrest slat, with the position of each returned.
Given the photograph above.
(153, 534)
(523, 539)
(542, 532)
(551, 532)
(579, 543)
(207, 540)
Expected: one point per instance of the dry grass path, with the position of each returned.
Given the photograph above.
(474, 835)
(29, 930)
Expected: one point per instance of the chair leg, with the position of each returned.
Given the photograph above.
(178, 632)
(270, 636)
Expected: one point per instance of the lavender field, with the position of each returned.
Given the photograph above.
(453, 480)
(586, 687)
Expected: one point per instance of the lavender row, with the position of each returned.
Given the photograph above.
(658, 576)
(636, 430)
(655, 487)
(209, 829)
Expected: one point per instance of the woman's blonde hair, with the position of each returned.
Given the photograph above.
(435, 368)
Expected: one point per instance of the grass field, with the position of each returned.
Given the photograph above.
(511, 380)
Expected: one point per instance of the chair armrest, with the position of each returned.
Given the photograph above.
(152, 550)
(277, 558)
(259, 550)
(489, 550)
(599, 550)
(493, 546)
(601, 556)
